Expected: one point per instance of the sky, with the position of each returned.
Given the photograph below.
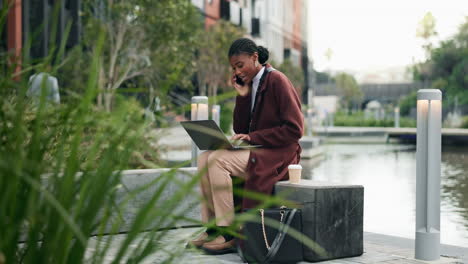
(366, 35)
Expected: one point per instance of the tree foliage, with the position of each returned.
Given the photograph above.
(213, 69)
(294, 73)
(149, 43)
(447, 67)
(426, 30)
(173, 27)
(407, 103)
(351, 93)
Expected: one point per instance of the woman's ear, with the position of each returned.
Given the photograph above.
(255, 55)
(255, 58)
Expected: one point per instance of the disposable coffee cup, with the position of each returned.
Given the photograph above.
(295, 173)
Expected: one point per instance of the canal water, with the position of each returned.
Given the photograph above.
(388, 174)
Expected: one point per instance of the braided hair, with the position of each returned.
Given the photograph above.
(245, 45)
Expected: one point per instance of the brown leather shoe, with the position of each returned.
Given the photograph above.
(220, 246)
(199, 241)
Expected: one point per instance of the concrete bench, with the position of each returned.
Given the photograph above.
(135, 192)
(189, 206)
(332, 216)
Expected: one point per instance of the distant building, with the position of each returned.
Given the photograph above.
(282, 28)
(279, 25)
(27, 18)
(211, 9)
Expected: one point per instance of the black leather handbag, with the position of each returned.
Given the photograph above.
(264, 243)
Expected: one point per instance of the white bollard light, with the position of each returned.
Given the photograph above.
(310, 98)
(428, 158)
(199, 108)
(215, 112)
(310, 107)
(309, 122)
(199, 111)
(397, 117)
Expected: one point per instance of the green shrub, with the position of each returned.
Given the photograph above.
(60, 169)
(358, 120)
(226, 116)
(464, 122)
(407, 122)
(407, 103)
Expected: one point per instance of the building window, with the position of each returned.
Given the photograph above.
(287, 54)
(225, 10)
(3, 35)
(255, 27)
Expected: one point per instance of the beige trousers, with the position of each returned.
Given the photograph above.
(217, 167)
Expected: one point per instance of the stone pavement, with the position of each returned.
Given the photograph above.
(377, 249)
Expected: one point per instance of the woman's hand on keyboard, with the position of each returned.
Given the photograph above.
(244, 137)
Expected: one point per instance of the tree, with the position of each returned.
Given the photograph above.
(213, 70)
(447, 67)
(407, 103)
(173, 28)
(147, 41)
(426, 30)
(351, 93)
(329, 54)
(125, 55)
(294, 73)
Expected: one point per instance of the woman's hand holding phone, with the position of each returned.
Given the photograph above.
(241, 88)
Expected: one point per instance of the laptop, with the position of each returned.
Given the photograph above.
(207, 135)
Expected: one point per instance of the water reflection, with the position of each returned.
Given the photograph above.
(388, 174)
(455, 184)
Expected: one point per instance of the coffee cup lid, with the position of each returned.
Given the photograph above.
(295, 166)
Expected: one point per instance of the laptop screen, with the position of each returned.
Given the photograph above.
(206, 134)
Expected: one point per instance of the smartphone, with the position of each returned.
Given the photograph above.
(239, 81)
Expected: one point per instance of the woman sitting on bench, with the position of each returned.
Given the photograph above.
(267, 113)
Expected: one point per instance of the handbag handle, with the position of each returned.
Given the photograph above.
(273, 250)
(263, 226)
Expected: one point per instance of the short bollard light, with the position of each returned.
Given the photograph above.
(310, 112)
(397, 117)
(309, 122)
(199, 108)
(215, 112)
(40, 81)
(199, 111)
(428, 157)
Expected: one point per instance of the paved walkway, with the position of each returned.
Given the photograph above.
(378, 249)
